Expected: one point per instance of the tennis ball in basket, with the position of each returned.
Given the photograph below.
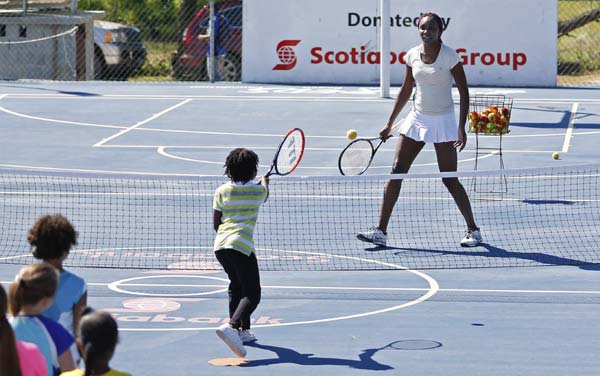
(555, 155)
(351, 134)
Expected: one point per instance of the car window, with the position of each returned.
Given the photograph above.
(200, 26)
(204, 23)
(234, 16)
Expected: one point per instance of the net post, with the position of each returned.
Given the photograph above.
(384, 36)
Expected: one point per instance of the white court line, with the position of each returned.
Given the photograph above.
(332, 149)
(569, 133)
(3, 109)
(155, 116)
(351, 288)
(61, 169)
(97, 125)
(267, 97)
(161, 150)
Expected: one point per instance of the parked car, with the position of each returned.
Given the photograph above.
(118, 50)
(190, 60)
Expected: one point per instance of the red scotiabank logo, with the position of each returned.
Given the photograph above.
(286, 54)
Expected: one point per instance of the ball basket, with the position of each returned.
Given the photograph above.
(490, 114)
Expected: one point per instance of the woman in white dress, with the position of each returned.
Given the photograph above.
(433, 66)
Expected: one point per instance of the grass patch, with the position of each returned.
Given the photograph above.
(579, 52)
(158, 62)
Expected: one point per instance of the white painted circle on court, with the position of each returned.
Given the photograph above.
(114, 286)
(433, 289)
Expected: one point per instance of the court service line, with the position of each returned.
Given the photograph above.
(268, 97)
(84, 170)
(569, 133)
(161, 151)
(3, 109)
(351, 288)
(153, 117)
(271, 147)
(99, 125)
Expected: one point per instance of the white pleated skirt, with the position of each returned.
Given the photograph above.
(430, 128)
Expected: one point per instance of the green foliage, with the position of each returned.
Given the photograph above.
(578, 51)
(158, 61)
(157, 19)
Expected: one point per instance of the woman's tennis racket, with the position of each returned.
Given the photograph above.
(289, 153)
(356, 158)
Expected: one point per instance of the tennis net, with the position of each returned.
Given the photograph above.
(547, 216)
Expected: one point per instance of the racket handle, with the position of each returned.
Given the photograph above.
(395, 128)
(271, 171)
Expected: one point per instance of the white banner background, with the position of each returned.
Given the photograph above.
(517, 30)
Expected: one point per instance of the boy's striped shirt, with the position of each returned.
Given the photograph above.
(239, 204)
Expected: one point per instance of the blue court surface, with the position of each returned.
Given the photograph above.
(533, 316)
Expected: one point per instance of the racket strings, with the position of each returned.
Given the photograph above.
(290, 153)
(356, 158)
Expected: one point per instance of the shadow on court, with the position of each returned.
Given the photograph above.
(495, 252)
(285, 355)
(75, 93)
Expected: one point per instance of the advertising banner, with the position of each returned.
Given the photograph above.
(501, 43)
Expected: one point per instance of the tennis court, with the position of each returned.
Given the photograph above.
(122, 160)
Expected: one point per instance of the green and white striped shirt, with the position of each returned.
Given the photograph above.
(239, 204)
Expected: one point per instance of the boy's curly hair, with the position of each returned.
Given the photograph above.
(241, 165)
(51, 236)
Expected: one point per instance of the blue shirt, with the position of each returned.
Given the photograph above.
(70, 290)
(49, 336)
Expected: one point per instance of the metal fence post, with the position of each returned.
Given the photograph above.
(212, 71)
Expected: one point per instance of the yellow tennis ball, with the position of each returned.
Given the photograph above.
(351, 134)
(555, 155)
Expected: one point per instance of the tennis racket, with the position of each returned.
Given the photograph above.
(356, 158)
(289, 153)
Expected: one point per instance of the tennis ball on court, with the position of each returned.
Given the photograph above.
(555, 155)
(351, 134)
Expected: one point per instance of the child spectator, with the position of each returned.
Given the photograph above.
(29, 295)
(51, 239)
(96, 339)
(17, 358)
(235, 211)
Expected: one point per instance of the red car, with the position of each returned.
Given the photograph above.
(189, 62)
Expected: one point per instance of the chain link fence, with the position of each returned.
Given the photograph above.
(171, 40)
(579, 43)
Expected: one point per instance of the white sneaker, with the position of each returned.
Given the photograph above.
(472, 238)
(231, 337)
(373, 235)
(247, 336)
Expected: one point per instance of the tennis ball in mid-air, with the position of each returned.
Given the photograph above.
(351, 134)
(555, 155)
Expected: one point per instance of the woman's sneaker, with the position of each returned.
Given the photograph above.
(231, 337)
(472, 238)
(247, 336)
(373, 235)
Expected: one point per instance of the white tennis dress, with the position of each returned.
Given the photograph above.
(432, 118)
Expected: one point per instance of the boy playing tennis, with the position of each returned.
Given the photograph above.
(235, 210)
